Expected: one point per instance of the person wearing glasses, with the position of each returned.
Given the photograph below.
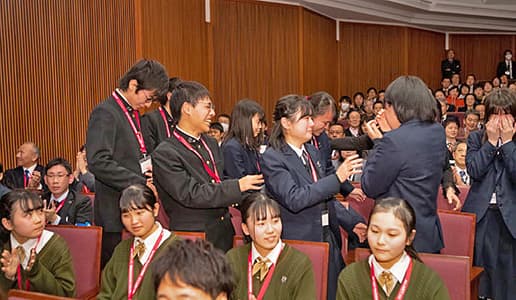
(116, 150)
(63, 205)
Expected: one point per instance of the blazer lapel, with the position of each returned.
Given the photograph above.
(316, 161)
(296, 163)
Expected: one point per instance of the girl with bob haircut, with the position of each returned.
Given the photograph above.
(397, 269)
(33, 258)
(298, 179)
(278, 271)
(241, 147)
(126, 275)
(491, 165)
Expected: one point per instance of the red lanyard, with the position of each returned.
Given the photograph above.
(18, 270)
(267, 281)
(316, 143)
(131, 290)
(214, 174)
(258, 162)
(85, 189)
(162, 112)
(312, 167)
(404, 284)
(60, 205)
(136, 131)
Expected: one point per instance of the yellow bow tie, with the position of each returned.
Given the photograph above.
(261, 265)
(139, 250)
(21, 254)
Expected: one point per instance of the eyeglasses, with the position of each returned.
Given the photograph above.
(335, 132)
(207, 105)
(147, 98)
(58, 176)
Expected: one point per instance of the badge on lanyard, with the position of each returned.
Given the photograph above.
(146, 164)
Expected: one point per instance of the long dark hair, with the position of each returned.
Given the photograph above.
(241, 127)
(287, 107)
(500, 100)
(28, 201)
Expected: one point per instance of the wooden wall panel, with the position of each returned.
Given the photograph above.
(58, 59)
(256, 52)
(370, 56)
(319, 54)
(425, 52)
(480, 54)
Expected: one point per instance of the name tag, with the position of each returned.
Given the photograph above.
(493, 199)
(146, 164)
(325, 220)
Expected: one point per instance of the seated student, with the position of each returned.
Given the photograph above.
(192, 270)
(33, 258)
(63, 205)
(139, 209)
(397, 269)
(278, 270)
(469, 103)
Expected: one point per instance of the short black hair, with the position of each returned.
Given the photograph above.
(172, 83)
(149, 74)
(26, 199)
(186, 91)
(59, 161)
(217, 126)
(451, 119)
(197, 264)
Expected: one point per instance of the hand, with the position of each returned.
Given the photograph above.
(151, 186)
(10, 262)
(452, 197)
(382, 122)
(50, 212)
(81, 162)
(250, 182)
(373, 130)
(357, 194)
(352, 165)
(32, 260)
(507, 128)
(456, 177)
(361, 231)
(492, 130)
(34, 180)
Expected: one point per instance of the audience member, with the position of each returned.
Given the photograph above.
(345, 105)
(512, 87)
(445, 85)
(3, 189)
(217, 132)
(62, 204)
(479, 93)
(504, 81)
(471, 121)
(464, 90)
(84, 181)
(470, 82)
(368, 108)
(469, 103)
(496, 82)
(224, 120)
(354, 119)
(377, 107)
(372, 94)
(381, 96)
(481, 108)
(116, 151)
(358, 102)
(450, 65)
(456, 80)
(336, 131)
(451, 130)
(506, 66)
(459, 168)
(488, 87)
(453, 98)
(28, 172)
(491, 164)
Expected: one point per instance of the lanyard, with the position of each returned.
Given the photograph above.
(131, 290)
(162, 112)
(258, 162)
(18, 270)
(404, 284)
(316, 143)
(214, 174)
(136, 131)
(60, 205)
(266, 282)
(312, 167)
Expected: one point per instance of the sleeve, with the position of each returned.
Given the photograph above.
(359, 143)
(348, 219)
(109, 279)
(479, 156)
(100, 144)
(234, 164)
(84, 211)
(150, 135)
(171, 176)
(448, 180)
(500, 69)
(305, 289)
(342, 290)
(57, 278)
(458, 66)
(8, 179)
(509, 159)
(88, 179)
(283, 187)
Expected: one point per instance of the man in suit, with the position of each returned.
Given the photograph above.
(188, 170)
(63, 204)
(507, 66)
(407, 162)
(115, 147)
(28, 172)
(450, 65)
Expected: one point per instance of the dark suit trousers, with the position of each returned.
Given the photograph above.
(109, 241)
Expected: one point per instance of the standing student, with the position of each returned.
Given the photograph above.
(241, 147)
(296, 177)
(33, 258)
(116, 151)
(394, 270)
(278, 271)
(491, 165)
(126, 275)
(188, 170)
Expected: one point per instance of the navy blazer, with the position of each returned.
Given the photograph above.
(239, 161)
(491, 170)
(13, 178)
(408, 163)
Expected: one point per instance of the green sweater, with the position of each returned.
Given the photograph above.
(293, 276)
(425, 284)
(115, 274)
(52, 272)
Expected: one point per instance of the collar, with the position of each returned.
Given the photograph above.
(167, 115)
(298, 151)
(354, 131)
(124, 100)
(150, 240)
(398, 270)
(272, 256)
(31, 168)
(60, 199)
(197, 139)
(28, 245)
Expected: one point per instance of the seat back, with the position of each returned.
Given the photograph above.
(191, 235)
(318, 252)
(26, 295)
(162, 217)
(91, 196)
(85, 248)
(458, 233)
(442, 202)
(236, 220)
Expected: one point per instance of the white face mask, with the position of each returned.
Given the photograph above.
(508, 56)
(225, 126)
(344, 106)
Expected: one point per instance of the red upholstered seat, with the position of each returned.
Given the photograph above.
(458, 232)
(26, 295)
(191, 235)
(85, 248)
(442, 202)
(236, 220)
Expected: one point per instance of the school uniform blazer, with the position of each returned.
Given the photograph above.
(77, 208)
(239, 161)
(113, 157)
(154, 129)
(13, 178)
(408, 163)
(191, 198)
(491, 170)
(301, 200)
(449, 68)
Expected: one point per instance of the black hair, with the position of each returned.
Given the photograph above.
(257, 206)
(225, 116)
(137, 196)
(28, 202)
(172, 83)
(287, 107)
(149, 74)
(186, 91)
(471, 112)
(59, 161)
(194, 263)
(372, 89)
(1, 168)
(217, 126)
(451, 119)
(241, 125)
(507, 51)
(345, 98)
(472, 75)
(355, 95)
(322, 102)
(501, 100)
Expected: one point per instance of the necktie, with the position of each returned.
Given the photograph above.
(306, 159)
(26, 177)
(21, 254)
(139, 250)
(261, 265)
(386, 279)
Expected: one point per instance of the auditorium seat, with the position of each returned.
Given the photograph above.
(191, 235)
(442, 202)
(236, 220)
(26, 295)
(163, 218)
(458, 233)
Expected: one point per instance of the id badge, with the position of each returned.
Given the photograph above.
(146, 164)
(325, 220)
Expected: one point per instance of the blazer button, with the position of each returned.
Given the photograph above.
(213, 181)
(222, 218)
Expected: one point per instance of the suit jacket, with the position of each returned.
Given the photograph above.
(348, 132)
(191, 198)
(492, 170)
(77, 209)
(113, 157)
(408, 163)
(13, 178)
(154, 129)
(449, 68)
(502, 69)
(239, 161)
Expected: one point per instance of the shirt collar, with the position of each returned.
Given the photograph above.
(187, 134)
(151, 240)
(124, 100)
(31, 168)
(398, 270)
(31, 243)
(60, 199)
(272, 256)
(299, 151)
